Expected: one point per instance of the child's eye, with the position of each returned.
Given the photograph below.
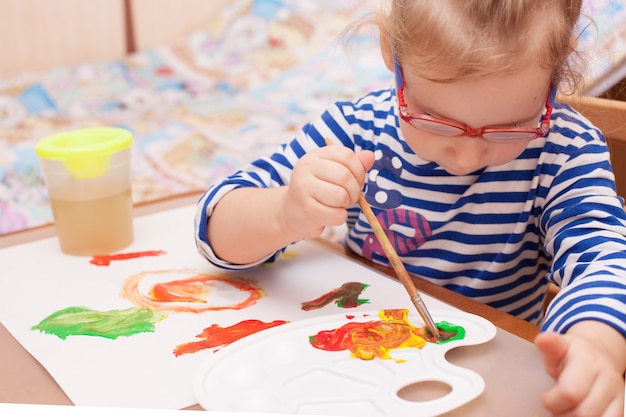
(525, 123)
(425, 113)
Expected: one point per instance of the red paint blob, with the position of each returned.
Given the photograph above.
(105, 260)
(215, 335)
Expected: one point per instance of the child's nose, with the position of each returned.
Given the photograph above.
(468, 154)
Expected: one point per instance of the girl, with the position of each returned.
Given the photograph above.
(485, 183)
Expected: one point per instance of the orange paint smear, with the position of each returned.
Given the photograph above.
(179, 291)
(216, 336)
(190, 294)
(105, 260)
(373, 339)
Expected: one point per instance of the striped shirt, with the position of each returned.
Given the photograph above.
(499, 235)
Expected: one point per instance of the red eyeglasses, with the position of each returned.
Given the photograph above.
(444, 127)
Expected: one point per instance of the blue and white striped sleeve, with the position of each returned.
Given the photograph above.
(266, 172)
(586, 235)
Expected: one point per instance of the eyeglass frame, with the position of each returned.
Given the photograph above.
(462, 128)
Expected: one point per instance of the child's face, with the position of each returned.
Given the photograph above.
(507, 100)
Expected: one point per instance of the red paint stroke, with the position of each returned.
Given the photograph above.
(216, 336)
(105, 260)
(349, 316)
(346, 296)
(191, 294)
(164, 71)
(375, 338)
(276, 42)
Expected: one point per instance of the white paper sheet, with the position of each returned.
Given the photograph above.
(141, 370)
(29, 410)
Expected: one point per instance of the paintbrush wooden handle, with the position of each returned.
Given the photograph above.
(396, 263)
(398, 266)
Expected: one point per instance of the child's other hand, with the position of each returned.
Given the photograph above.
(587, 365)
(324, 183)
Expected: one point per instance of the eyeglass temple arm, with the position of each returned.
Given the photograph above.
(397, 70)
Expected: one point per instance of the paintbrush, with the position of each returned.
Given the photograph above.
(397, 265)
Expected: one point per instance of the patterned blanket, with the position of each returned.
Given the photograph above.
(202, 107)
(197, 109)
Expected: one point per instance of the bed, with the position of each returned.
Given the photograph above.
(200, 104)
(198, 108)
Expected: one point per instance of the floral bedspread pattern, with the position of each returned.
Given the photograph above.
(200, 108)
(197, 109)
(603, 43)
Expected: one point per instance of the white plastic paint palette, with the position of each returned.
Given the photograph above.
(278, 371)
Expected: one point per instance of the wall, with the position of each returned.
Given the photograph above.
(40, 34)
(158, 22)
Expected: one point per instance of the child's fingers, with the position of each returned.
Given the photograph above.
(553, 347)
(585, 382)
(335, 191)
(574, 386)
(335, 166)
(341, 188)
(568, 389)
(585, 390)
(352, 161)
(367, 159)
(324, 183)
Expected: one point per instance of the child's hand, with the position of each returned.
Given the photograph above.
(324, 183)
(588, 367)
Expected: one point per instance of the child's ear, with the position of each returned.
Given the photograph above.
(385, 49)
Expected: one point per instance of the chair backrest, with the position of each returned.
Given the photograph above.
(610, 117)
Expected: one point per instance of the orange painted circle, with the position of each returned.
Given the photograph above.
(190, 291)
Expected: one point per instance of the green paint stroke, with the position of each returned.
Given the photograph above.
(82, 321)
(451, 331)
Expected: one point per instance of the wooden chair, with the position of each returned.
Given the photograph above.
(610, 117)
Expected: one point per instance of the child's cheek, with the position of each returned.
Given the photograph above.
(501, 153)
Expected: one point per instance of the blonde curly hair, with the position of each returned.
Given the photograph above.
(451, 40)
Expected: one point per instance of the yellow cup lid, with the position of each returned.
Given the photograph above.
(98, 141)
(85, 152)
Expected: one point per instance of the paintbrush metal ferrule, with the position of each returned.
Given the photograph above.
(423, 311)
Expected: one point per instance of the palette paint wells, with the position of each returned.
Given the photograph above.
(279, 371)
